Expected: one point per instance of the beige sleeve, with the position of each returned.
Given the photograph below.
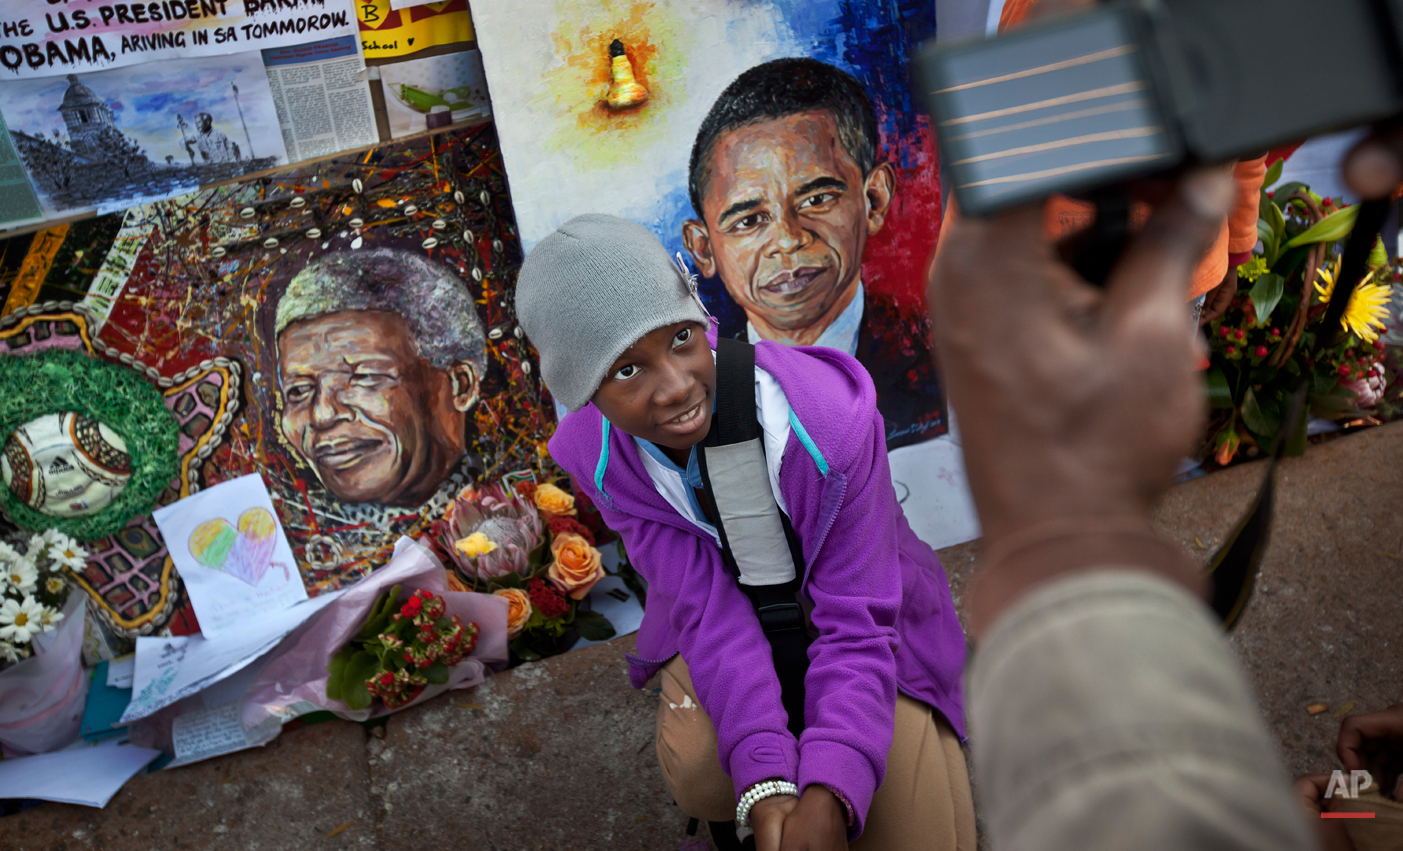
(1108, 711)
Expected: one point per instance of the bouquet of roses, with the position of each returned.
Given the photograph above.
(402, 648)
(33, 589)
(496, 542)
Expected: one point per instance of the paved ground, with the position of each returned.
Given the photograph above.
(558, 755)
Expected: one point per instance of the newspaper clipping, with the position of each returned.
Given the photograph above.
(323, 104)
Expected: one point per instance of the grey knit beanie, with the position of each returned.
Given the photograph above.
(590, 290)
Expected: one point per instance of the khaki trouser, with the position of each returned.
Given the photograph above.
(924, 802)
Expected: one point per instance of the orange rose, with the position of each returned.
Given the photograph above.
(576, 568)
(554, 501)
(518, 609)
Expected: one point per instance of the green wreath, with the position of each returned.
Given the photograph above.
(59, 381)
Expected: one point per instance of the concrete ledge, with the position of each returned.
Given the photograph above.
(289, 794)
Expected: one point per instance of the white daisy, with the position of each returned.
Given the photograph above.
(70, 555)
(8, 553)
(36, 546)
(20, 622)
(8, 652)
(55, 584)
(49, 618)
(53, 538)
(22, 575)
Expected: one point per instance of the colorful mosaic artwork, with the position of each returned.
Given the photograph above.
(368, 298)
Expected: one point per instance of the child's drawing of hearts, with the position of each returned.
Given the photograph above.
(243, 552)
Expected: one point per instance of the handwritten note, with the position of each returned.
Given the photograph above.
(230, 550)
(172, 668)
(206, 733)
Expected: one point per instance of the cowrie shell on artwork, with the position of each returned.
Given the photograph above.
(314, 233)
(247, 213)
(477, 274)
(218, 251)
(410, 210)
(357, 185)
(270, 242)
(469, 236)
(439, 224)
(526, 367)
(297, 202)
(497, 246)
(459, 197)
(355, 223)
(429, 243)
(484, 197)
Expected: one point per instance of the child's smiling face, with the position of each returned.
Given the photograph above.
(661, 388)
(787, 214)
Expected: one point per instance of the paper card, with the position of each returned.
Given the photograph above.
(230, 550)
(172, 668)
(205, 733)
(119, 671)
(89, 776)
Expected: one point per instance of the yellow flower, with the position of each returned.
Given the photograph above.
(1368, 304)
(1252, 269)
(552, 500)
(476, 544)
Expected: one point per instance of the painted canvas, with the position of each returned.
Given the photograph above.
(776, 145)
(143, 131)
(342, 329)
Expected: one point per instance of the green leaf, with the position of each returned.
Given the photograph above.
(1273, 173)
(1329, 229)
(1219, 394)
(540, 557)
(1286, 190)
(1378, 255)
(360, 668)
(336, 670)
(1265, 294)
(436, 674)
(1256, 419)
(593, 626)
(522, 651)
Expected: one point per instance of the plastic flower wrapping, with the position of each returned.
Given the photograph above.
(528, 546)
(33, 588)
(1269, 340)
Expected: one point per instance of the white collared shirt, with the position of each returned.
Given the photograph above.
(841, 334)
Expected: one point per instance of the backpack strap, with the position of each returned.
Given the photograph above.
(758, 544)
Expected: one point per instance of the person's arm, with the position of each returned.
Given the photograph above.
(855, 584)
(1106, 710)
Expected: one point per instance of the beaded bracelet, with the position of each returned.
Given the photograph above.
(759, 792)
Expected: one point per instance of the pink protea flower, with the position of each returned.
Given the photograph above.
(489, 533)
(1369, 389)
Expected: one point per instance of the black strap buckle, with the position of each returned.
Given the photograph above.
(781, 617)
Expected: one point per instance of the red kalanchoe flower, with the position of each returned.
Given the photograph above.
(1261, 351)
(1239, 334)
(1224, 331)
(1344, 370)
(1232, 350)
(387, 678)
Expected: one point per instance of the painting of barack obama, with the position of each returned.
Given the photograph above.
(789, 188)
(380, 355)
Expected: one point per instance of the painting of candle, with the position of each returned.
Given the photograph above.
(231, 553)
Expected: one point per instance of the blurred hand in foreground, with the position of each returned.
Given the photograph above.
(1075, 403)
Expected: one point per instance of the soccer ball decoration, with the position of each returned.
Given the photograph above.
(65, 465)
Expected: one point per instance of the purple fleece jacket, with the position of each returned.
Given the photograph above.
(881, 602)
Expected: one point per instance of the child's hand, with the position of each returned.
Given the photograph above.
(767, 820)
(816, 822)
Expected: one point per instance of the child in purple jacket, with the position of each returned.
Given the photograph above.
(627, 347)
